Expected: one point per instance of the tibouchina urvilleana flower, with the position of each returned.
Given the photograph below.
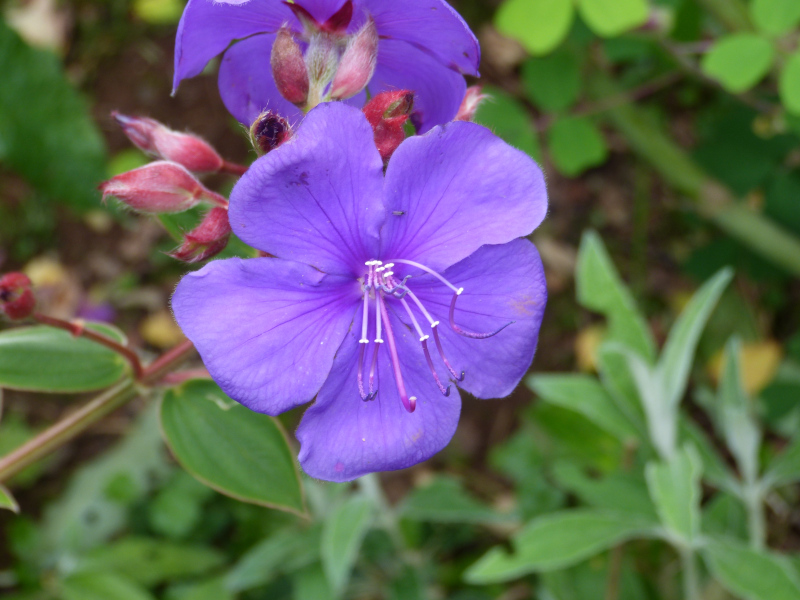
(332, 47)
(385, 291)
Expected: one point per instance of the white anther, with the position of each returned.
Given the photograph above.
(362, 341)
(389, 265)
(458, 291)
(434, 324)
(378, 341)
(423, 338)
(388, 273)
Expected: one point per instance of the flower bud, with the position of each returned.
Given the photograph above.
(160, 187)
(357, 64)
(208, 239)
(469, 105)
(16, 296)
(387, 113)
(339, 21)
(158, 140)
(289, 68)
(269, 131)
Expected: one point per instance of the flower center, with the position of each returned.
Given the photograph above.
(379, 286)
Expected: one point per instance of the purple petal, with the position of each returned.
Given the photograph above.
(208, 27)
(456, 189)
(246, 84)
(501, 284)
(343, 437)
(267, 329)
(432, 26)
(438, 90)
(317, 198)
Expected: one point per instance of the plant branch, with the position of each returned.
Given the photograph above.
(232, 168)
(167, 362)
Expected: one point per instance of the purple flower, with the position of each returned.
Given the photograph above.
(424, 46)
(360, 308)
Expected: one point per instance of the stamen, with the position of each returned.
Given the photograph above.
(373, 391)
(445, 391)
(365, 320)
(364, 396)
(436, 339)
(432, 272)
(470, 334)
(410, 403)
(378, 339)
(416, 300)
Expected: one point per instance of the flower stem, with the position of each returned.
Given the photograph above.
(78, 329)
(167, 362)
(691, 582)
(66, 429)
(232, 168)
(756, 525)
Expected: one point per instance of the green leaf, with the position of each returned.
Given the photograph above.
(444, 500)
(715, 469)
(508, 119)
(775, 17)
(615, 373)
(557, 541)
(750, 574)
(342, 534)
(310, 583)
(238, 452)
(178, 507)
(209, 589)
(101, 586)
(584, 394)
(539, 25)
(789, 84)
(784, 468)
(46, 133)
(150, 561)
(73, 364)
(575, 145)
(7, 501)
(600, 288)
(675, 490)
(609, 18)
(739, 61)
(678, 354)
(553, 82)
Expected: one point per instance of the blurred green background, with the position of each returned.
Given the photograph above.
(670, 135)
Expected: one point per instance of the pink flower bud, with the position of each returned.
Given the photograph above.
(289, 68)
(269, 131)
(339, 21)
(469, 105)
(158, 140)
(357, 64)
(387, 113)
(16, 296)
(208, 239)
(160, 187)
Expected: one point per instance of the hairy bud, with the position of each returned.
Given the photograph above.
(269, 131)
(387, 113)
(208, 239)
(158, 140)
(16, 296)
(357, 64)
(469, 105)
(160, 187)
(289, 68)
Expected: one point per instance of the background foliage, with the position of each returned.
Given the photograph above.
(651, 454)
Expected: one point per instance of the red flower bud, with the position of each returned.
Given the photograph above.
(339, 21)
(387, 113)
(208, 239)
(289, 68)
(357, 64)
(160, 187)
(469, 105)
(16, 296)
(158, 140)
(269, 131)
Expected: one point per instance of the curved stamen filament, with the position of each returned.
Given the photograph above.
(453, 372)
(431, 271)
(410, 403)
(464, 332)
(423, 339)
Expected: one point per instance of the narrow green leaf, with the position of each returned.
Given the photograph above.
(600, 288)
(7, 501)
(444, 500)
(678, 354)
(750, 574)
(556, 541)
(739, 61)
(618, 380)
(73, 364)
(585, 395)
(775, 17)
(715, 469)
(576, 145)
(789, 84)
(101, 586)
(784, 468)
(552, 82)
(310, 583)
(539, 25)
(508, 119)
(342, 534)
(209, 589)
(46, 132)
(238, 452)
(675, 489)
(609, 18)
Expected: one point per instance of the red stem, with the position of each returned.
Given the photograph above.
(232, 168)
(166, 362)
